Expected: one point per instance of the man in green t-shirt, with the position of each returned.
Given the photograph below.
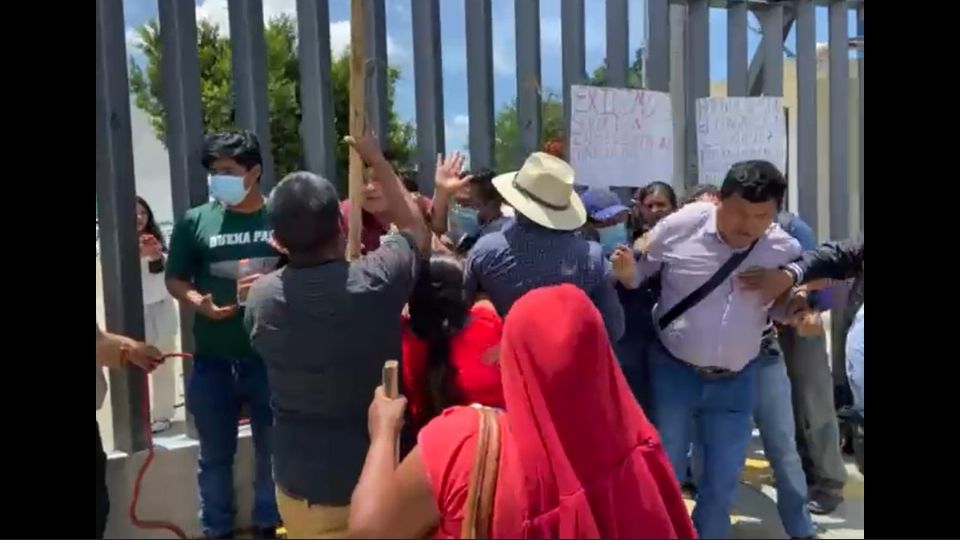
(216, 247)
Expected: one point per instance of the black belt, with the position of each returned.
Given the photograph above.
(710, 373)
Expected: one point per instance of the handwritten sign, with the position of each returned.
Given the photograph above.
(620, 137)
(736, 129)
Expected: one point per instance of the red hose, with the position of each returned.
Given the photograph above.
(145, 407)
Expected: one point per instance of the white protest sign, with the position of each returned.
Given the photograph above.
(738, 129)
(620, 137)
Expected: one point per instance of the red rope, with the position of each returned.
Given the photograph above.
(145, 407)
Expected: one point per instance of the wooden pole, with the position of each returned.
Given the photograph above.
(391, 382)
(391, 379)
(358, 79)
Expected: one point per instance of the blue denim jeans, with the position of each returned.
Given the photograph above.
(773, 415)
(215, 392)
(854, 352)
(721, 411)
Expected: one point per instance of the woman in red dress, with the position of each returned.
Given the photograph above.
(576, 457)
(449, 348)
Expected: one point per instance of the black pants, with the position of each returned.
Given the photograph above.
(103, 501)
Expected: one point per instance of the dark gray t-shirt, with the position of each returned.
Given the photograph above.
(325, 333)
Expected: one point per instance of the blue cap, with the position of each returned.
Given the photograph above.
(602, 204)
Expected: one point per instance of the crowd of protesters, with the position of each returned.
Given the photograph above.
(567, 361)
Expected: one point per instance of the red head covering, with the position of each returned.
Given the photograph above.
(578, 457)
(592, 462)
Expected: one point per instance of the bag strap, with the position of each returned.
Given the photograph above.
(483, 477)
(704, 290)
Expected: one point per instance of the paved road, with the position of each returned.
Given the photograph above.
(755, 514)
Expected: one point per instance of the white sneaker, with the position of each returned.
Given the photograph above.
(160, 426)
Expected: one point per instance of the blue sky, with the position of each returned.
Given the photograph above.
(400, 45)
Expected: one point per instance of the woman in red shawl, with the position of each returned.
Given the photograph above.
(578, 458)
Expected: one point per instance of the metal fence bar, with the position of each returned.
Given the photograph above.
(180, 68)
(737, 48)
(316, 101)
(677, 88)
(574, 54)
(617, 43)
(860, 101)
(378, 113)
(656, 69)
(771, 24)
(698, 77)
(479, 41)
(807, 158)
(755, 75)
(839, 71)
(428, 87)
(116, 199)
(529, 121)
(249, 62)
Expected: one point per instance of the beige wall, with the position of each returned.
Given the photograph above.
(719, 88)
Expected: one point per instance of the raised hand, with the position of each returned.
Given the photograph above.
(624, 266)
(447, 176)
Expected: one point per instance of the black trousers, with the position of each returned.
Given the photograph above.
(103, 501)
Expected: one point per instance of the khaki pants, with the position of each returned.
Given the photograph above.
(302, 520)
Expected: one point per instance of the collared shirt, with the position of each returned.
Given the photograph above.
(523, 256)
(725, 328)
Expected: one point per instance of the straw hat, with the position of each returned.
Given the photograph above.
(542, 190)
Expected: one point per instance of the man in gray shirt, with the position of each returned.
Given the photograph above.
(325, 326)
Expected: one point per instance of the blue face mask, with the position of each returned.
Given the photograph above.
(612, 236)
(467, 220)
(227, 189)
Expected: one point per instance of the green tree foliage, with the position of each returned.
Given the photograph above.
(634, 72)
(507, 152)
(283, 92)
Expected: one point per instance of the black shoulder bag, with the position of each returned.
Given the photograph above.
(704, 290)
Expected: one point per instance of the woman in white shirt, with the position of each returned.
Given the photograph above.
(159, 314)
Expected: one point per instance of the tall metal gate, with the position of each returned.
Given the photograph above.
(677, 60)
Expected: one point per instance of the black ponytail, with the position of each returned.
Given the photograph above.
(438, 312)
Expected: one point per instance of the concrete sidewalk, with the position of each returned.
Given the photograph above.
(755, 512)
